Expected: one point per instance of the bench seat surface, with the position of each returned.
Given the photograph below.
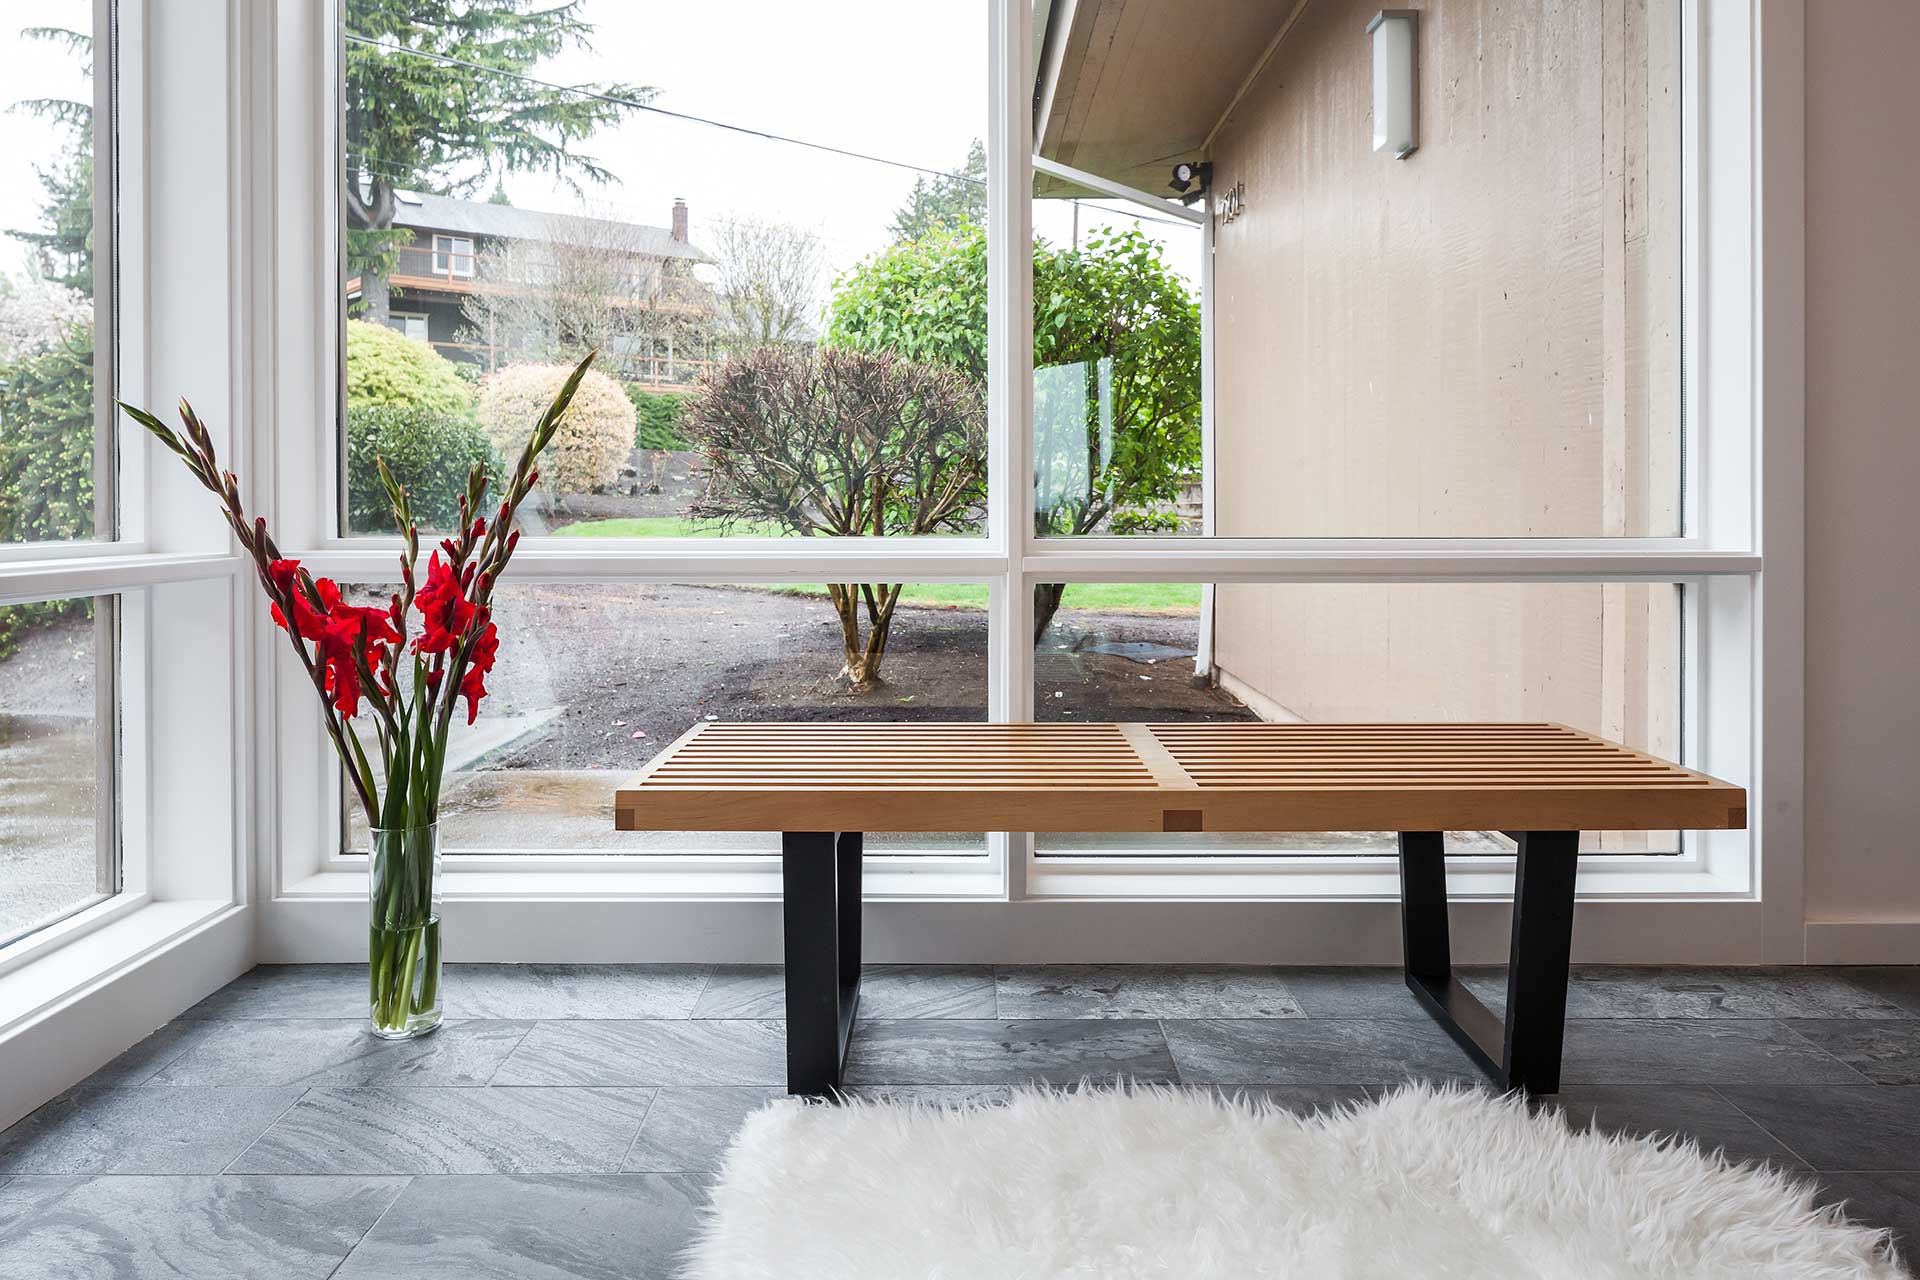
(969, 776)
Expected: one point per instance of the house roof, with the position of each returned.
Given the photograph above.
(1123, 88)
(427, 212)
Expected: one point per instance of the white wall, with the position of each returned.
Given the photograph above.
(1863, 464)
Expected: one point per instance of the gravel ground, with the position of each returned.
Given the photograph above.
(631, 667)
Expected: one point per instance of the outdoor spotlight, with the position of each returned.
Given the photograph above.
(1396, 81)
(1185, 175)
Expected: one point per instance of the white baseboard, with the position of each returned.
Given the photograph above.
(1863, 942)
(76, 1032)
(614, 931)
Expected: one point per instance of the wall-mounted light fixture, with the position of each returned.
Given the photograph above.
(1396, 80)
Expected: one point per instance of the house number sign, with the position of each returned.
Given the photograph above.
(1233, 201)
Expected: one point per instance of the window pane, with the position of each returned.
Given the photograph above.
(1603, 658)
(58, 847)
(1480, 339)
(55, 463)
(594, 680)
(729, 222)
(1116, 367)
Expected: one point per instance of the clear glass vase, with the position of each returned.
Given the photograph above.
(403, 933)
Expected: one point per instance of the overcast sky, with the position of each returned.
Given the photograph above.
(905, 82)
(32, 69)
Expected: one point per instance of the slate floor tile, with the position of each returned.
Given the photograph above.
(289, 991)
(688, 1130)
(731, 1052)
(1696, 1051)
(1301, 1099)
(538, 992)
(956, 1051)
(1890, 1200)
(1885, 1052)
(141, 1130)
(1622, 991)
(145, 1060)
(1352, 993)
(944, 1096)
(208, 1228)
(1898, 984)
(506, 1227)
(423, 1131)
(1143, 991)
(886, 991)
(1336, 1051)
(330, 1052)
(1856, 1128)
(1688, 1111)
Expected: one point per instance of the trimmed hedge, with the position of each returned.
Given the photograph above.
(46, 460)
(595, 437)
(387, 368)
(660, 414)
(428, 453)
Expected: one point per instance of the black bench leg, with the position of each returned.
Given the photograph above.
(820, 879)
(1521, 1051)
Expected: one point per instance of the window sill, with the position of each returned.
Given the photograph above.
(61, 967)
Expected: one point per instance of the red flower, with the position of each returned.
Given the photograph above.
(473, 685)
(445, 612)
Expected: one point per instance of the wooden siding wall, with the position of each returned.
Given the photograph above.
(1478, 340)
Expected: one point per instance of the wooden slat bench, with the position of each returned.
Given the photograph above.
(823, 785)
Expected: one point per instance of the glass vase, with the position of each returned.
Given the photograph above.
(403, 933)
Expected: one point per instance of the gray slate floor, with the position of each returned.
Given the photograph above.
(565, 1121)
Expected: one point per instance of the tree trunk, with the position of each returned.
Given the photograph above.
(1046, 603)
(863, 654)
(373, 295)
(372, 206)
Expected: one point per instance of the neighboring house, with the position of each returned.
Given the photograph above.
(468, 260)
(1479, 340)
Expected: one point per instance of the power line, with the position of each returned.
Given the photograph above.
(636, 105)
(689, 118)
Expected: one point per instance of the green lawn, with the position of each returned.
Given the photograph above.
(655, 527)
(1126, 597)
(1138, 597)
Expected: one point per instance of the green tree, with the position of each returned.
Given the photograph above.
(947, 202)
(1116, 354)
(437, 100)
(63, 245)
(842, 444)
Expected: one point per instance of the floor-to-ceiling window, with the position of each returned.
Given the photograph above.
(1055, 362)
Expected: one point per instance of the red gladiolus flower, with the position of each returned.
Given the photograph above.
(352, 632)
(445, 612)
(473, 685)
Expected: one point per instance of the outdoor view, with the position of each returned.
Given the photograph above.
(52, 653)
(778, 246)
(593, 680)
(51, 836)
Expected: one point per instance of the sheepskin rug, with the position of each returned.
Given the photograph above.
(1119, 1184)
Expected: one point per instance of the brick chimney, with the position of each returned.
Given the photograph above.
(679, 219)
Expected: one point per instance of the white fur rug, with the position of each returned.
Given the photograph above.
(1155, 1183)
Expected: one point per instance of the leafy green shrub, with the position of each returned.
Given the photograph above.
(385, 367)
(428, 453)
(661, 415)
(595, 438)
(46, 459)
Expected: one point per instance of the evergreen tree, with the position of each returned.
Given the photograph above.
(63, 246)
(436, 100)
(949, 202)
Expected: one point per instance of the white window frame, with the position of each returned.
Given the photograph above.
(1737, 559)
(447, 259)
(74, 994)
